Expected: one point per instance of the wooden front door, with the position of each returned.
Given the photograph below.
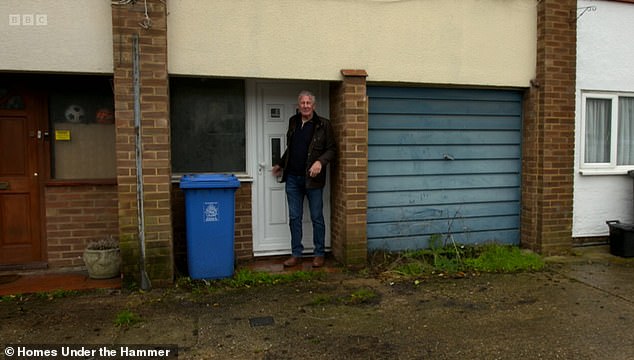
(21, 141)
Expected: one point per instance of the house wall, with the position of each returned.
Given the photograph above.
(75, 216)
(478, 42)
(68, 36)
(453, 42)
(605, 54)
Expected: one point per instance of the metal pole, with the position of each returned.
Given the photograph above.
(145, 280)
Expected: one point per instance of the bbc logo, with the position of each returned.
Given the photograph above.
(28, 20)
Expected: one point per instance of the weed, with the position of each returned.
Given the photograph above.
(56, 294)
(245, 278)
(413, 268)
(454, 259)
(10, 298)
(361, 296)
(126, 318)
(357, 297)
(498, 258)
(448, 265)
(184, 282)
(249, 278)
(321, 300)
(129, 283)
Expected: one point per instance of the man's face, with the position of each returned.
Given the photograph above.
(306, 107)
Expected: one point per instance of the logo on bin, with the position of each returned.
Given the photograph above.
(210, 211)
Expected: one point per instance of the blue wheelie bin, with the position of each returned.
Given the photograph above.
(209, 219)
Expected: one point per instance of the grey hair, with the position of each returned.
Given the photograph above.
(306, 93)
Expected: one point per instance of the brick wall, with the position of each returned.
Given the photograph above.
(75, 216)
(548, 143)
(180, 234)
(244, 226)
(349, 114)
(155, 127)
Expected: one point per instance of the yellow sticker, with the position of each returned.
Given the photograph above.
(63, 135)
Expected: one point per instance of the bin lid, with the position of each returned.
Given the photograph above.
(619, 225)
(209, 181)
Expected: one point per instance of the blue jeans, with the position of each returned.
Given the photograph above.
(295, 193)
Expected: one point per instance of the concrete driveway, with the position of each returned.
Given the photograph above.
(581, 307)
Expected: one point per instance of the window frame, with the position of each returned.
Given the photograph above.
(52, 94)
(240, 173)
(603, 168)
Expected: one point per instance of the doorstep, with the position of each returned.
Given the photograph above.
(275, 265)
(25, 283)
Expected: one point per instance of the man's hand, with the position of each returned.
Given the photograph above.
(315, 169)
(276, 170)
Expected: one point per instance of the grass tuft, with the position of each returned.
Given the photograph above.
(246, 278)
(249, 278)
(361, 296)
(497, 258)
(126, 318)
(454, 259)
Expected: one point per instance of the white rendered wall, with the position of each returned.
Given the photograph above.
(604, 63)
(67, 36)
(479, 42)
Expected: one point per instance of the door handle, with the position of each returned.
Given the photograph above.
(4, 185)
(261, 166)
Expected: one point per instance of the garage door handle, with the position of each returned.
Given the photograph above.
(448, 157)
(4, 186)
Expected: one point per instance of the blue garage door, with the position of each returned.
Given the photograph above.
(443, 162)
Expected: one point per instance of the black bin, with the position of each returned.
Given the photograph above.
(621, 238)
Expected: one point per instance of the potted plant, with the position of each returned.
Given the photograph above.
(102, 258)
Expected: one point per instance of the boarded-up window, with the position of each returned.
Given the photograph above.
(208, 125)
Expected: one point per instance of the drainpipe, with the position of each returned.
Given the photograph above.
(145, 280)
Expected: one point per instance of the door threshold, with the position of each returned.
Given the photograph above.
(275, 264)
(24, 267)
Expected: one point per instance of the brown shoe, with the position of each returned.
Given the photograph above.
(292, 261)
(318, 261)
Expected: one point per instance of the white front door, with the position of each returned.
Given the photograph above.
(276, 102)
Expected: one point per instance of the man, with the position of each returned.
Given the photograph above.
(310, 146)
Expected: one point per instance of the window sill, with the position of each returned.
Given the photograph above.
(603, 172)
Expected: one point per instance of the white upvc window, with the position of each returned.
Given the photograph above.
(607, 129)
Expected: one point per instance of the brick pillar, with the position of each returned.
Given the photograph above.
(549, 125)
(243, 234)
(349, 114)
(155, 129)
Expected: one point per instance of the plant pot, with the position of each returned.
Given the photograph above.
(102, 264)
